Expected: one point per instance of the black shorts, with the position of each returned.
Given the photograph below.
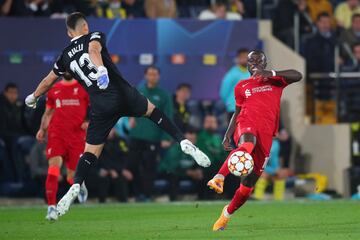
(131, 103)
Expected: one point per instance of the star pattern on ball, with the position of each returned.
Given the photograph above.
(240, 163)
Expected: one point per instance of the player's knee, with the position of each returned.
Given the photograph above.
(248, 137)
(55, 161)
(94, 149)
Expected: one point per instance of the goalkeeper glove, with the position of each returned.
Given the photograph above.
(31, 101)
(103, 78)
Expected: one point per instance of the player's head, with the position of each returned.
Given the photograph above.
(152, 76)
(256, 61)
(11, 92)
(76, 25)
(241, 57)
(67, 77)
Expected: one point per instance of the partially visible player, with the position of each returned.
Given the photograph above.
(252, 126)
(111, 96)
(272, 173)
(65, 122)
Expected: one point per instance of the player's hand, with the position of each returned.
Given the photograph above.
(103, 78)
(227, 143)
(31, 101)
(85, 125)
(40, 136)
(262, 75)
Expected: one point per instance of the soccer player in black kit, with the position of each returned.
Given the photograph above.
(111, 97)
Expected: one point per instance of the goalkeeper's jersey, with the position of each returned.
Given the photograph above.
(75, 60)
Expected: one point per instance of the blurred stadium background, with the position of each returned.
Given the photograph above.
(195, 44)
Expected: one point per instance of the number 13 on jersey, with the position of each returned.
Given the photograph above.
(79, 67)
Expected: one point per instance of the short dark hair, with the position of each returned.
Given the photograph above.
(241, 51)
(183, 85)
(73, 18)
(10, 85)
(258, 51)
(321, 15)
(67, 76)
(355, 15)
(151, 67)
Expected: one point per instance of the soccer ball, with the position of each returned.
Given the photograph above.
(240, 163)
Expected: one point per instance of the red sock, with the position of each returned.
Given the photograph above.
(51, 184)
(246, 146)
(240, 197)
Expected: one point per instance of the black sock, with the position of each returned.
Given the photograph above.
(160, 119)
(86, 162)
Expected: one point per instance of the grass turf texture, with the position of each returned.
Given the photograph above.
(257, 220)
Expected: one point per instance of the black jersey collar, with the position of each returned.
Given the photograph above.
(75, 38)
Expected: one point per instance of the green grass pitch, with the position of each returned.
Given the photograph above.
(257, 220)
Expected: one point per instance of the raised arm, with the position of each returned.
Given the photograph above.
(289, 75)
(45, 84)
(230, 130)
(41, 89)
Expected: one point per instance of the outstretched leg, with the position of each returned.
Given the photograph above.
(241, 196)
(243, 192)
(162, 121)
(247, 143)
